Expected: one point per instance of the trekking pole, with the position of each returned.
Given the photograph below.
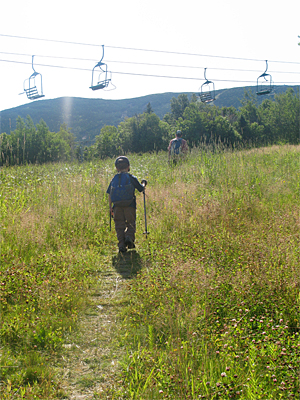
(110, 216)
(144, 183)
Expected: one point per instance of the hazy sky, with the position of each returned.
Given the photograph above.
(232, 39)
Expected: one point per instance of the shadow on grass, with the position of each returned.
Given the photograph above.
(127, 264)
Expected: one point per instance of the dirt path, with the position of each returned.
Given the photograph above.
(90, 363)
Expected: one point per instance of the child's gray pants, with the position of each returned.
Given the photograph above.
(125, 218)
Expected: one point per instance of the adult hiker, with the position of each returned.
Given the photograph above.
(122, 203)
(178, 148)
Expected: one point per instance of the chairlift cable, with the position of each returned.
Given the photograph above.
(50, 40)
(146, 75)
(146, 50)
(148, 64)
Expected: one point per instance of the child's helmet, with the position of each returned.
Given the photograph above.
(122, 162)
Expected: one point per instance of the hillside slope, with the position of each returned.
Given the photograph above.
(86, 117)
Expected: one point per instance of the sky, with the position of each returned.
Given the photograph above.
(150, 47)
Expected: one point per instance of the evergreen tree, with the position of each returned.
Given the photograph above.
(149, 109)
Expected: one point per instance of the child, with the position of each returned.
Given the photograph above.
(121, 194)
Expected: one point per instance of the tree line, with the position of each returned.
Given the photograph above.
(36, 144)
(272, 122)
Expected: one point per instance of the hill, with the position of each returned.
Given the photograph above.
(86, 117)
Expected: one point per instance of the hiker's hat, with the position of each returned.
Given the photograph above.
(122, 162)
(178, 133)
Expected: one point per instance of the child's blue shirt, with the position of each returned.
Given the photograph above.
(134, 182)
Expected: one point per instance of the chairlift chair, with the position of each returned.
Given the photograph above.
(33, 86)
(264, 83)
(103, 81)
(104, 77)
(207, 94)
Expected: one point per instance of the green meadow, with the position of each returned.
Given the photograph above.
(210, 300)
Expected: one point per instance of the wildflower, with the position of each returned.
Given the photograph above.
(223, 374)
(161, 391)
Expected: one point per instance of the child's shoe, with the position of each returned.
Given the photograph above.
(129, 243)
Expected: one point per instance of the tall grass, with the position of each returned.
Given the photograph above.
(215, 311)
(53, 227)
(217, 314)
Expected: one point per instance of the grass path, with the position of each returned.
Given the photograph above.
(218, 288)
(90, 361)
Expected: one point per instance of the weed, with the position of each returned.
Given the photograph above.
(211, 309)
